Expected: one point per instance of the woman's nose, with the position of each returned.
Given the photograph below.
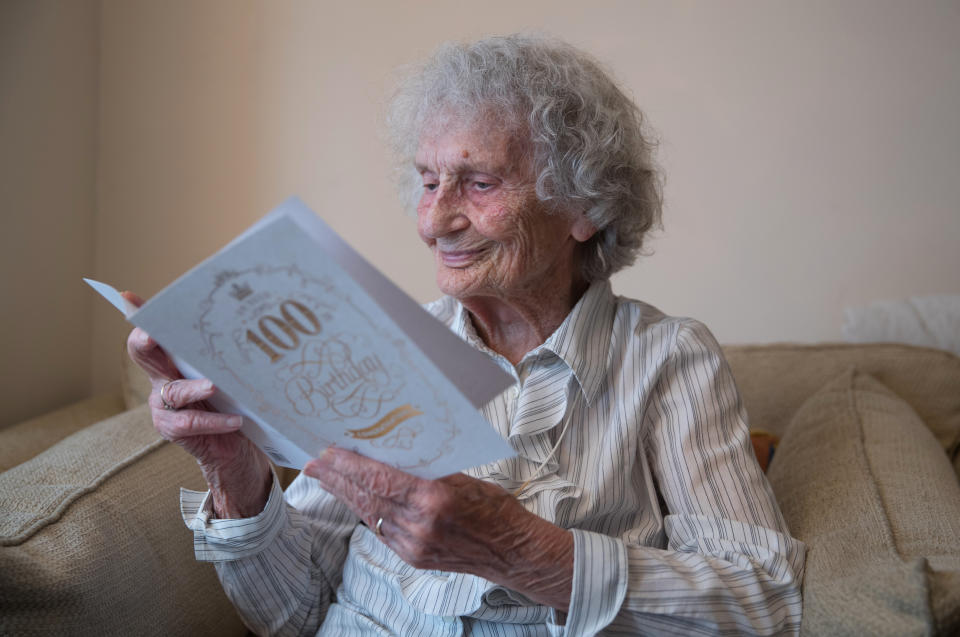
(441, 213)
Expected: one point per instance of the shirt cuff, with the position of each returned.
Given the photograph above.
(599, 582)
(216, 540)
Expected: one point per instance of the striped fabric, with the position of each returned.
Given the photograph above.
(676, 530)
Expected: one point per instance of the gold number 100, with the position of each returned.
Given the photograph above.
(282, 332)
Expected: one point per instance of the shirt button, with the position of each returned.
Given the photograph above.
(514, 392)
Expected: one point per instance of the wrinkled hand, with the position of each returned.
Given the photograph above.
(456, 523)
(237, 472)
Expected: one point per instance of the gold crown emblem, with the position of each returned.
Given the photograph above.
(240, 291)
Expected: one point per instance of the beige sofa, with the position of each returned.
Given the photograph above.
(91, 540)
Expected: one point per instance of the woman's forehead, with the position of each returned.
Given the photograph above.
(474, 144)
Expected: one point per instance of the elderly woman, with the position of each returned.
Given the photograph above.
(634, 503)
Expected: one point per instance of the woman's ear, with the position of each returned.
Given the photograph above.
(582, 228)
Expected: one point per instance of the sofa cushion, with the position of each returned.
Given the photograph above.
(20, 442)
(774, 380)
(92, 543)
(864, 484)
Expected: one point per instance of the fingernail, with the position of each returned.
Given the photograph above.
(235, 422)
(207, 385)
(330, 451)
(324, 459)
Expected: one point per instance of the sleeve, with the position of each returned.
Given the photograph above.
(282, 567)
(730, 565)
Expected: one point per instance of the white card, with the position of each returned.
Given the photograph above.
(315, 347)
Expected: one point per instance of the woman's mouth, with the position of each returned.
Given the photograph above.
(459, 258)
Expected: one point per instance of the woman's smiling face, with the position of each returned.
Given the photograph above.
(479, 213)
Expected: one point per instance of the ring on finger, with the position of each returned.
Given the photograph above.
(378, 531)
(163, 398)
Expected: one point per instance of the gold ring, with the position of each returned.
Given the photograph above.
(167, 405)
(377, 530)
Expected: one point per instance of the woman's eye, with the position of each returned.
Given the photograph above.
(430, 187)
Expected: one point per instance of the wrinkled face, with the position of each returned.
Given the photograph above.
(480, 215)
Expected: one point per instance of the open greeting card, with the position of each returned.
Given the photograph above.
(315, 347)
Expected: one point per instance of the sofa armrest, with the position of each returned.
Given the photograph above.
(22, 441)
(91, 539)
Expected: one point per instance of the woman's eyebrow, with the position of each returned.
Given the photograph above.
(460, 167)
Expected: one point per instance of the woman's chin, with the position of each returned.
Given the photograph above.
(458, 283)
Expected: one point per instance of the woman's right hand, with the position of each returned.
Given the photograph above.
(238, 473)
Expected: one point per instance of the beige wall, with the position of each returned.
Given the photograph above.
(180, 169)
(48, 149)
(811, 149)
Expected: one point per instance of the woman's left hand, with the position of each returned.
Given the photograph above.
(456, 523)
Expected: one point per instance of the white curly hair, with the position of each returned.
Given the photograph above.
(590, 148)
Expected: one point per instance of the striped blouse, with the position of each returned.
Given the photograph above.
(675, 528)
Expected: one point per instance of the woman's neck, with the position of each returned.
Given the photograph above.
(515, 324)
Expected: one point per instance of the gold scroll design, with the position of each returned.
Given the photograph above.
(385, 425)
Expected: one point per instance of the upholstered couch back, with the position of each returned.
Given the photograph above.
(91, 540)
